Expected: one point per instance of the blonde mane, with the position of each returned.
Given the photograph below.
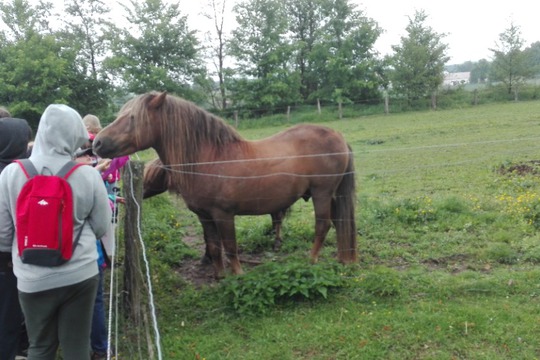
(184, 129)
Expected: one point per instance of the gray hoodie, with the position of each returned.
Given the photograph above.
(60, 133)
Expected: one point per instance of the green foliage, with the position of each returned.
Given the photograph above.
(157, 52)
(273, 283)
(380, 282)
(36, 73)
(510, 64)
(418, 62)
(502, 253)
(458, 283)
(164, 232)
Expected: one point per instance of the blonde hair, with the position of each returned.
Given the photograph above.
(92, 123)
(4, 113)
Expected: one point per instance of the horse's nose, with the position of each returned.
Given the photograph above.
(96, 144)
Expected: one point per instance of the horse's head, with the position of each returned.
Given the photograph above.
(134, 129)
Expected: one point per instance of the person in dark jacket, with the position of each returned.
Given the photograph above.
(14, 137)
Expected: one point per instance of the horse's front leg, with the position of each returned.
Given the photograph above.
(227, 233)
(214, 249)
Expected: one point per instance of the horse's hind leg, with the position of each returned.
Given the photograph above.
(277, 219)
(322, 207)
(206, 258)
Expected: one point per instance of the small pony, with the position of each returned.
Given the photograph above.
(219, 174)
(155, 182)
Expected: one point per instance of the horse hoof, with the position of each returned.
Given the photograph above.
(219, 276)
(206, 260)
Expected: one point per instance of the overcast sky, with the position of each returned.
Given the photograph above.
(471, 26)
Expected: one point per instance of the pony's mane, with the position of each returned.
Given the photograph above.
(184, 128)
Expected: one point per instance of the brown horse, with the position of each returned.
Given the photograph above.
(219, 174)
(156, 181)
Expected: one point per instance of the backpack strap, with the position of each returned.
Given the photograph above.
(27, 167)
(30, 170)
(65, 172)
(68, 169)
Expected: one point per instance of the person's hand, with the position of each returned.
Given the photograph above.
(85, 159)
(120, 200)
(103, 165)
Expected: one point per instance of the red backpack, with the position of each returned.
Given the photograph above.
(44, 214)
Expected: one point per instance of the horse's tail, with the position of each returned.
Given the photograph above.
(343, 216)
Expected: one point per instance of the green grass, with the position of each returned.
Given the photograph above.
(449, 253)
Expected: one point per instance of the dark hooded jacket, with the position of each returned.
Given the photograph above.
(14, 137)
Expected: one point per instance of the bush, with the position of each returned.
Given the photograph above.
(271, 283)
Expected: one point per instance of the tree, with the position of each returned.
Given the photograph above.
(418, 62)
(343, 57)
(85, 36)
(35, 68)
(24, 20)
(532, 54)
(157, 52)
(480, 72)
(509, 64)
(263, 54)
(305, 18)
(86, 32)
(35, 73)
(217, 41)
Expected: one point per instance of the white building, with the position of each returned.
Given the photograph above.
(455, 79)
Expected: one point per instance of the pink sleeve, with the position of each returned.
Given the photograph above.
(116, 164)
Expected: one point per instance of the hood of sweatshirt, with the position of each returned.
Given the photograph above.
(14, 137)
(60, 133)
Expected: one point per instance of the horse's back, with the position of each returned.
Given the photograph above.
(310, 149)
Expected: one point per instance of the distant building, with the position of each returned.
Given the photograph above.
(455, 79)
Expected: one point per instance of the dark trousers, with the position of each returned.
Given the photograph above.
(98, 338)
(11, 317)
(60, 317)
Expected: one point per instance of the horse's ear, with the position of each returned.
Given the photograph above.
(157, 101)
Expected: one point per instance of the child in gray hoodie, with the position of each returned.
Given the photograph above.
(57, 302)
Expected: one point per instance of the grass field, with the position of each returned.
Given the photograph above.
(448, 216)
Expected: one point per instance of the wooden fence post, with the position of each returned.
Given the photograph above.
(132, 180)
(236, 118)
(386, 103)
(340, 109)
(319, 106)
(289, 113)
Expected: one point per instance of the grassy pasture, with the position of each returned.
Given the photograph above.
(448, 217)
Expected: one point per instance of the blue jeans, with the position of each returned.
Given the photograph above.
(98, 336)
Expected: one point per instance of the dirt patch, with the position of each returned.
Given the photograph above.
(529, 167)
(200, 273)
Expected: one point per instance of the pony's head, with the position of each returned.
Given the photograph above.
(135, 128)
